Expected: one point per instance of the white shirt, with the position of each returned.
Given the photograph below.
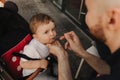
(34, 49)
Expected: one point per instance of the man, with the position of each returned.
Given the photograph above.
(105, 26)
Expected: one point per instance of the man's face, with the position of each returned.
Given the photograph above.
(93, 20)
(46, 33)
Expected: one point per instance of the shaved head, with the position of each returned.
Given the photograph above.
(104, 5)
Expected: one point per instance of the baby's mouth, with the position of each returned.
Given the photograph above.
(53, 39)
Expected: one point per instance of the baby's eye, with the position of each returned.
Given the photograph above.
(53, 29)
(46, 32)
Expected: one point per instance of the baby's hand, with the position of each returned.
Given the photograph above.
(44, 64)
(56, 48)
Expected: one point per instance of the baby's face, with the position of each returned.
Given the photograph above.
(46, 33)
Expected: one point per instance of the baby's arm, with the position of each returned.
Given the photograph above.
(34, 64)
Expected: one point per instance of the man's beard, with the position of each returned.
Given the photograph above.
(98, 33)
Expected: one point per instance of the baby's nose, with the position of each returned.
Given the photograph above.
(51, 33)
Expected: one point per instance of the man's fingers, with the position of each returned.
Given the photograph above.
(68, 38)
(66, 45)
(62, 38)
(75, 37)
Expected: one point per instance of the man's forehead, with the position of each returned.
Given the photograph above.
(90, 2)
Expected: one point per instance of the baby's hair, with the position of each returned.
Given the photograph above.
(39, 19)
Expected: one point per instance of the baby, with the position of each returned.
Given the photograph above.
(43, 31)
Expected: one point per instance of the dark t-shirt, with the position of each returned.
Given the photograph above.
(114, 62)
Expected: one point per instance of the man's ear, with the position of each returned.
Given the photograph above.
(114, 19)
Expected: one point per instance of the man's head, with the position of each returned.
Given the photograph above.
(103, 18)
(43, 28)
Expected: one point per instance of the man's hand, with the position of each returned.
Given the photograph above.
(73, 42)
